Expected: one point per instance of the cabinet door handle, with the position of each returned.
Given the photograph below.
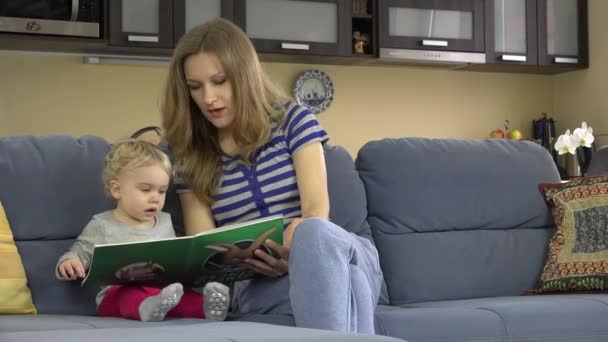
(428, 42)
(146, 39)
(565, 60)
(513, 58)
(292, 46)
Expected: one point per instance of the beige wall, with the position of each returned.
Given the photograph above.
(50, 94)
(377, 102)
(583, 95)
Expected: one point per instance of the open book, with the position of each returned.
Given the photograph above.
(214, 255)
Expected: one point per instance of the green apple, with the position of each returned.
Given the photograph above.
(515, 134)
(497, 134)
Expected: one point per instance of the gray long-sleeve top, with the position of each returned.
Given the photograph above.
(104, 228)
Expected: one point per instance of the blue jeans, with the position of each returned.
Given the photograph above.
(334, 281)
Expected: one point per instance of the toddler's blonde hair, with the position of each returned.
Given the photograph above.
(130, 155)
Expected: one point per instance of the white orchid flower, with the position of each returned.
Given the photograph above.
(566, 143)
(583, 135)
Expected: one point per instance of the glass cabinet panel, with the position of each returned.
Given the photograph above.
(201, 11)
(306, 21)
(430, 23)
(190, 13)
(562, 27)
(510, 26)
(140, 16)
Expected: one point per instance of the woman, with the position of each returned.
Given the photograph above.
(244, 151)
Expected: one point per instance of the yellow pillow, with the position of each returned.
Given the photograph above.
(15, 296)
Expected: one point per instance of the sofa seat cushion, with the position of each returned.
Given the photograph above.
(523, 318)
(43, 322)
(209, 332)
(15, 323)
(439, 324)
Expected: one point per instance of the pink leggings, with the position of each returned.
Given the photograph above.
(123, 301)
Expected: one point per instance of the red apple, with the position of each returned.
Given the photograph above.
(497, 133)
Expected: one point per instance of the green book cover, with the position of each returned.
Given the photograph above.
(214, 255)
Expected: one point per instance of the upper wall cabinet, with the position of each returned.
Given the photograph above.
(141, 23)
(440, 25)
(562, 32)
(312, 27)
(160, 23)
(511, 34)
(550, 35)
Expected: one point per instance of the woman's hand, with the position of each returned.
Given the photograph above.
(267, 264)
(72, 269)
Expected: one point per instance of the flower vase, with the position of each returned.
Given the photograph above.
(583, 156)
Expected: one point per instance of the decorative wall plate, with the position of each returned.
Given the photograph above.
(314, 90)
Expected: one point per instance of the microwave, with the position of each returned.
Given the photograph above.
(78, 18)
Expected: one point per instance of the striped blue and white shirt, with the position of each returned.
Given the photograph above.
(269, 187)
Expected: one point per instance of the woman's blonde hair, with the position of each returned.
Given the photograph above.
(131, 154)
(258, 104)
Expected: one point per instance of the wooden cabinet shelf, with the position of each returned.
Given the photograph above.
(363, 28)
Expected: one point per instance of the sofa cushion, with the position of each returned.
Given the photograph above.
(440, 325)
(347, 202)
(13, 323)
(208, 332)
(578, 253)
(15, 296)
(525, 318)
(457, 219)
(51, 187)
(42, 322)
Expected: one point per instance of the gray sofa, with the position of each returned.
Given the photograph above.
(460, 227)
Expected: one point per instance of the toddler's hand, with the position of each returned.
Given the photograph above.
(71, 269)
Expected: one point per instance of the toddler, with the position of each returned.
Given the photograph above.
(136, 175)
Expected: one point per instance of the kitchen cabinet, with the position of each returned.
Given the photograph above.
(141, 23)
(538, 36)
(160, 23)
(511, 32)
(299, 27)
(440, 25)
(562, 33)
(549, 35)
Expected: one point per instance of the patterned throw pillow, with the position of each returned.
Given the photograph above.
(15, 296)
(578, 251)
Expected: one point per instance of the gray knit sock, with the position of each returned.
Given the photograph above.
(154, 308)
(216, 300)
